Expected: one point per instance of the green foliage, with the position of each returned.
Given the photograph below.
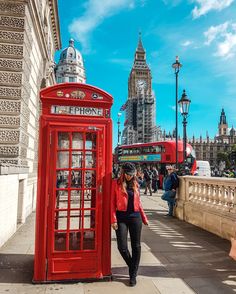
(223, 156)
(233, 147)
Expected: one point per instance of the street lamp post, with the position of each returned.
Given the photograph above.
(184, 104)
(177, 65)
(119, 132)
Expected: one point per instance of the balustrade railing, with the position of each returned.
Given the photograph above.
(216, 193)
(209, 203)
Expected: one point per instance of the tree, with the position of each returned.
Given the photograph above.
(223, 156)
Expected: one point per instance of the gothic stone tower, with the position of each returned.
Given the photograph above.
(141, 105)
(223, 126)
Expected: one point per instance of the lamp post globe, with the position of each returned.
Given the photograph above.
(184, 104)
(176, 66)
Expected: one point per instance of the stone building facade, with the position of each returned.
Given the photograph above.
(140, 119)
(207, 149)
(70, 67)
(29, 36)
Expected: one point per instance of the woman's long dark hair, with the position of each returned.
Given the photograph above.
(133, 182)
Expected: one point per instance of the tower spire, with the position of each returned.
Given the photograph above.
(223, 117)
(140, 44)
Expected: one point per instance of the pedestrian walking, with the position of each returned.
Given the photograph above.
(148, 180)
(170, 184)
(127, 215)
(155, 179)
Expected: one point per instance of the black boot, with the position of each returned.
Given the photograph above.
(132, 276)
(132, 281)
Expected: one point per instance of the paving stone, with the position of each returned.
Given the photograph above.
(122, 286)
(22, 289)
(172, 285)
(212, 285)
(65, 289)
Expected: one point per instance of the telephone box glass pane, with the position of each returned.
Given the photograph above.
(76, 179)
(89, 198)
(63, 140)
(75, 199)
(60, 220)
(62, 178)
(63, 159)
(77, 159)
(89, 219)
(61, 199)
(75, 241)
(75, 219)
(90, 179)
(60, 241)
(90, 142)
(90, 159)
(77, 141)
(89, 240)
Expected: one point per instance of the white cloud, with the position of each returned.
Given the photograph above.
(207, 5)
(215, 31)
(227, 48)
(224, 36)
(96, 11)
(186, 43)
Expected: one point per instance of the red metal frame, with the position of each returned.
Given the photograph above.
(68, 263)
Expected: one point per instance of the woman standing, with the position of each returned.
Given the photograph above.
(127, 215)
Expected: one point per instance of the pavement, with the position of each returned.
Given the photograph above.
(177, 258)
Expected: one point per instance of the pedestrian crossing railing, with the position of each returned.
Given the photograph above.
(209, 203)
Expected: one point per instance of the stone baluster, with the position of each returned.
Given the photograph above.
(204, 193)
(195, 192)
(200, 189)
(213, 195)
(217, 196)
(229, 198)
(189, 193)
(225, 197)
(233, 200)
(210, 195)
(221, 197)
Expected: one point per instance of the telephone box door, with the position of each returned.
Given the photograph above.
(75, 203)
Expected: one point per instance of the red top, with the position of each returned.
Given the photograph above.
(119, 201)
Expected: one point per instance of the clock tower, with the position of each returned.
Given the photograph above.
(140, 123)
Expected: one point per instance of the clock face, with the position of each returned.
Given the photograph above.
(141, 84)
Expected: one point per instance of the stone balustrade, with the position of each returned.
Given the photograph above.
(209, 203)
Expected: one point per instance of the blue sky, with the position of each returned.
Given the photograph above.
(201, 32)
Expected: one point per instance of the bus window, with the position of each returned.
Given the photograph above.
(125, 151)
(157, 149)
(134, 151)
(146, 150)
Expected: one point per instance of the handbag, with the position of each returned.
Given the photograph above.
(232, 252)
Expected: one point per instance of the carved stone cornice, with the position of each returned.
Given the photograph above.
(55, 22)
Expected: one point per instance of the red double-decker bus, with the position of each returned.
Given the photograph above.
(156, 153)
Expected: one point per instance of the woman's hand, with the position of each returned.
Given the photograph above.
(147, 223)
(114, 226)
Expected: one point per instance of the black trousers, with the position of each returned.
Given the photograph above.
(134, 226)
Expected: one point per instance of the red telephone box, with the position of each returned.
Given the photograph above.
(74, 183)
